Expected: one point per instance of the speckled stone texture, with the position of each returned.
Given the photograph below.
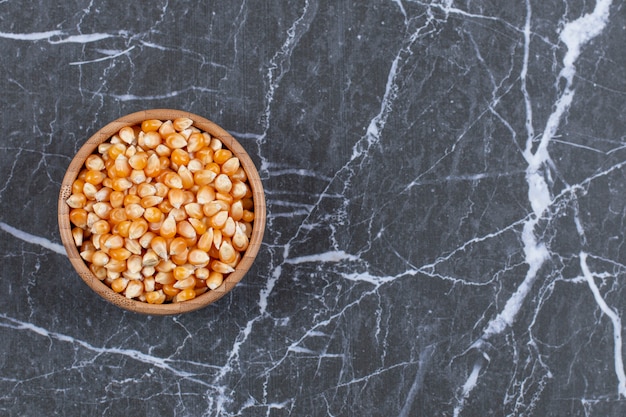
(445, 188)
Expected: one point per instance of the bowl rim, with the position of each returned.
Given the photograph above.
(203, 300)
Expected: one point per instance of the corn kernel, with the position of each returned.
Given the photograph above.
(76, 200)
(155, 297)
(214, 280)
(138, 228)
(134, 289)
(188, 282)
(153, 215)
(230, 166)
(185, 295)
(198, 257)
(222, 155)
(118, 285)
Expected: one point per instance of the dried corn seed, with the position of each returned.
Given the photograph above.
(119, 284)
(127, 134)
(248, 216)
(120, 254)
(227, 253)
(230, 166)
(159, 246)
(202, 273)
(146, 239)
(214, 280)
(121, 228)
(222, 155)
(149, 284)
(181, 123)
(166, 128)
(204, 177)
(100, 227)
(137, 176)
(186, 177)
(138, 228)
(240, 241)
(153, 215)
(94, 163)
(90, 190)
(194, 210)
(168, 228)
(221, 267)
(134, 263)
(195, 142)
(150, 258)
(169, 290)
(114, 242)
(134, 211)
(188, 282)
(176, 197)
(77, 235)
(175, 141)
(76, 200)
(133, 289)
(164, 278)
(99, 258)
(155, 297)
(182, 271)
(205, 195)
(98, 271)
(198, 257)
(185, 295)
(151, 125)
(198, 225)
(180, 157)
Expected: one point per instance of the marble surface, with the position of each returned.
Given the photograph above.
(446, 194)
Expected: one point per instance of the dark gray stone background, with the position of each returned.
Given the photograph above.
(445, 187)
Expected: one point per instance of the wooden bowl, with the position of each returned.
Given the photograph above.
(202, 300)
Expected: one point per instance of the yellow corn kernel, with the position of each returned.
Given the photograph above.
(195, 142)
(169, 290)
(180, 157)
(119, 254)
(218, 220)
(133, 246)
(137, 176)
(122, 167)
(248, 216)
(134, 211)
(155, 297)
(87, 255)
(151, 125)
(159, 246)
(188, 282)
(204, 177)
(236, 210)
(134, 289)
(116, 150)
(194, 165)
(194, 210)
(137, 228)
(222, 155)
(177, 246)
(149, 283)
(185, 229)
(134, 263)
(119, 284)
(94, 177)
(98, 271)
(127, 134)
(198, 257)
(122, 228)
(230, 227)
(202, 273)
(175, 141)
(198, 225)
(183, 271)
(226, 198)
(205, 194)
(223, 184)
(153, 215)
(117, 215)
(214, 166)
(214, 280)
(166, 128)
(146, 239)
(227, 253)
(78, 235)
(150, 201)
(239, 175)
(164, 152)
(240, 241)
(238, 190)
(78, 217)
(186, 177)
(176, 197)
(181, 123)
(230, 166)
(138, 160)
(104, 193)
(221, 267)
(102, 209)
(121, 184)
(76, 200)
(173, 180)
(164, 278)
(99, 258)
(206, 240)
(114, 242)
(185, 295)
(94, 163)
(150, 258)
(116, 198)
(205, 155)
(151, 140)
(168, 228)
(77, 186)
(100, 227)
(153, 166)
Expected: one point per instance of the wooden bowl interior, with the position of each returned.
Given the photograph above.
(208, 297)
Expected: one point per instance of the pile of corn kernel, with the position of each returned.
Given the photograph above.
(162, 212)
